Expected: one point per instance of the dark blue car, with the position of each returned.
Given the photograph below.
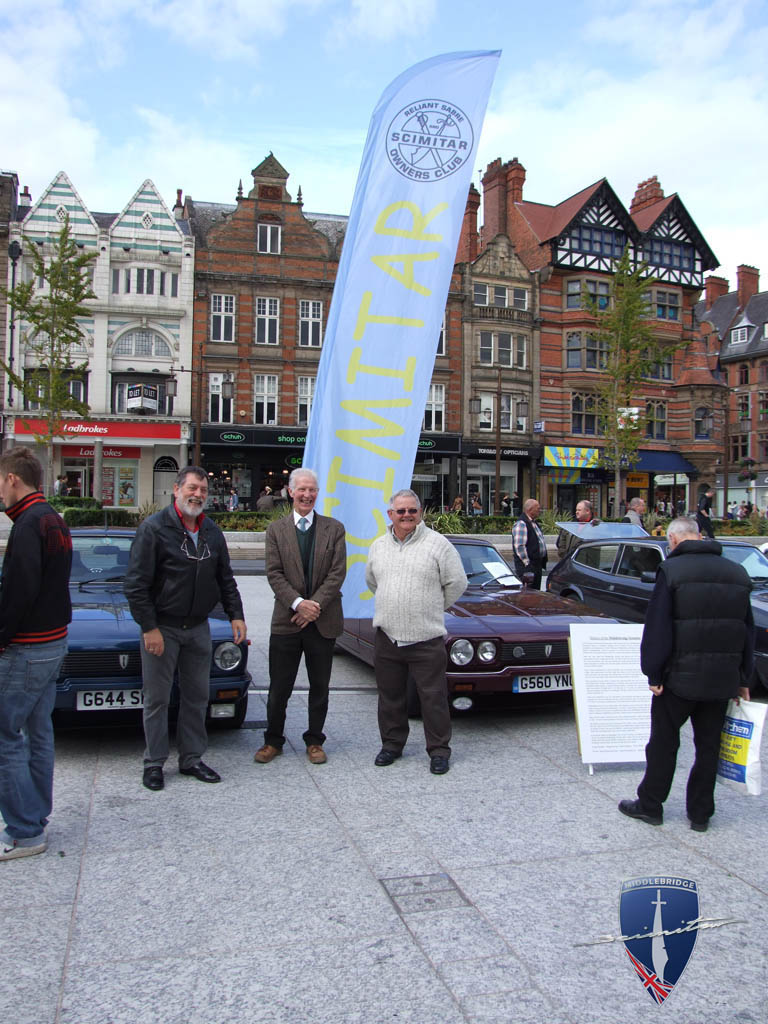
(100, 681)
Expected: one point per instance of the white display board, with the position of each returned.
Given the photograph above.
(610, 693)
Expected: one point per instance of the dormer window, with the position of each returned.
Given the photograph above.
(738, 335)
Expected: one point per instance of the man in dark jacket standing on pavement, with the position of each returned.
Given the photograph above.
(697, 652)
(34, 613)
(178, 572)
(529, 549)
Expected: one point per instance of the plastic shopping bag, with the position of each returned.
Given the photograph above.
(739, 763)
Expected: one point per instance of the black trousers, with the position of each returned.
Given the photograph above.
(285, 651)
(426, 663)
(535, 566)
(668, 713)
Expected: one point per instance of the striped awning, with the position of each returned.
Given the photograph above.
(576, 458)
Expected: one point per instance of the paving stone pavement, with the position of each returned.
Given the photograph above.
(343, 893)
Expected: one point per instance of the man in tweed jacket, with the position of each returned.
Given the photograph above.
(306, 560)
(415, 574)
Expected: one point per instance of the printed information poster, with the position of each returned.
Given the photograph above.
(610, 693)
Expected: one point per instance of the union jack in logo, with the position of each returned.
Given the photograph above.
(659, 919)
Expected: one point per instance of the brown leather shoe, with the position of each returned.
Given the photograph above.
(266, 754)
(316, 754)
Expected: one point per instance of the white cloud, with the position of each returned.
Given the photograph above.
(384, 20)
(696, 124)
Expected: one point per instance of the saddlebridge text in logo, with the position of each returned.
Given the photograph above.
(429, 140)
(659, 924)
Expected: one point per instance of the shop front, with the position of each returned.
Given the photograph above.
(122, 463)
(436, 470)
(248, 459)
(571, 475)
(517, 474)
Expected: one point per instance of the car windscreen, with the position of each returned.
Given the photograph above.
(752, 559)
(483, 563)
(95, 558)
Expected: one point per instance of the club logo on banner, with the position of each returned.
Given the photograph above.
(659, 923)
(429, 139)
(389, 299)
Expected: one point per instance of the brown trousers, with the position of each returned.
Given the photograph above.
(426, 663)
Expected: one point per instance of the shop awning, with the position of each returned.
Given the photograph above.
(575, 458)
(662, 462)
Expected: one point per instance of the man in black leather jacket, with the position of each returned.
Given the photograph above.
(697, 652)
(178, 572)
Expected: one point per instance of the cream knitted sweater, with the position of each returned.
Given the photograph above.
(414, 582)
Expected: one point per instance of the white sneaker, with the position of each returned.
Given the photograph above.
(12, 850)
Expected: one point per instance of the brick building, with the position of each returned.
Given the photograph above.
(733, 326)
(264, 276)
(572, 245)
(138, 333)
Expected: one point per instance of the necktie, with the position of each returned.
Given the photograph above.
(302, 524)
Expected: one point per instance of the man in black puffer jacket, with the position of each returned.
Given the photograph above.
(697, 652)
(179, 571)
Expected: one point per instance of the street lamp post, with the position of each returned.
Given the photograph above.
(171, 390)
(14, 254)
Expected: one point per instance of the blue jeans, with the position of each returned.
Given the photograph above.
(27, 694)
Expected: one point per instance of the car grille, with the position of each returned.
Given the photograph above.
(91, 664)
(535, 653)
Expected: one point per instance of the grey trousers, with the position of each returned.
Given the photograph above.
(189, 650)
(426, 663)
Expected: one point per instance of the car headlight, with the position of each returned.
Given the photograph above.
(461, 652)
(486, 650)
(227, 656)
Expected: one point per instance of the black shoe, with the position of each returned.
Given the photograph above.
(439, 765)
(385, 757)
(153, 777)
(699, 826)
(202, 772)
(632, 809)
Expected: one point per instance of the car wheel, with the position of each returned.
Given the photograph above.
(414, 704)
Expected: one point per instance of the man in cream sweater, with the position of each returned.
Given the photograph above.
(415, 574)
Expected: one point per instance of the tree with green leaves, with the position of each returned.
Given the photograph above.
(47, 309)
(629, 351)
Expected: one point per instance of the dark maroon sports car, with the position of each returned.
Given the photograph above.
(504, 640)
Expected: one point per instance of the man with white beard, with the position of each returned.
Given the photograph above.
(178, 572)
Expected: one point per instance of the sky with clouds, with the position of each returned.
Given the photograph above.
(195, 93)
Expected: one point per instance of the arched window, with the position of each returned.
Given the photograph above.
(143, 344)
(656, 420)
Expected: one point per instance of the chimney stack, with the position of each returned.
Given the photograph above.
(748, 279)
(494, 201)
(716, 287)
(25, 199)
(648, 192)
(178, 206)
(467, 251)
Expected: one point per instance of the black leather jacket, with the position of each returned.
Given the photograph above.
(170, 582)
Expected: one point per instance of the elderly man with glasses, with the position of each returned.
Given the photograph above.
(416, 574)
(178, 572)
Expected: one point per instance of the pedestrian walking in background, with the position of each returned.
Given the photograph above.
(704, 514)
(179, 570)
(35, 611)
(635, 510)
(697, 652)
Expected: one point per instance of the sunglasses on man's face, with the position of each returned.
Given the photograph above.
(404, 511)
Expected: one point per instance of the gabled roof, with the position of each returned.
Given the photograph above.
(270, 167)
(146, 216)
(550, 222)
(42, 217)
(648, 217)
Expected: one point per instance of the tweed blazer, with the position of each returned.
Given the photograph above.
(285, 573)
